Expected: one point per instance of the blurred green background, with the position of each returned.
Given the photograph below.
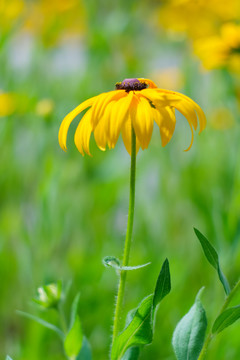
(60, 213)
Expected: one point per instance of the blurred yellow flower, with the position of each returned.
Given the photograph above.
(53, 19)
(221, 50)
(197, 18)
(7, 104)
(10, 10)
(169, 77)
(135, 103)
(222, 119)
(45, 107)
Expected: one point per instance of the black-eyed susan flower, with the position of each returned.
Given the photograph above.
(135, 103)
(222, 50)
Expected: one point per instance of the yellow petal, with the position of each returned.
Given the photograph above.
(119, 114)
(127, 136)
(191, 139)
(83, 133)
(151, 84)
(103, 100)
(187, 110)
(199, 111)
(197, 108)
(157, 117)
(183, 103)
(101, 130)
(62, 134)
(167, 124)
(157, 98)
(141, 116)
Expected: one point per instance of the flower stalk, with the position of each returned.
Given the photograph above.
(128, 241)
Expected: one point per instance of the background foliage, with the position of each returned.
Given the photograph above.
(60, 214)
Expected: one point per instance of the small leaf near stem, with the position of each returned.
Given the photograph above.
(188, 337)
(74, 337)
(226, 318)
(212, 257)
(112, 261)
(139, 326)
(73, 340)
(163, 285)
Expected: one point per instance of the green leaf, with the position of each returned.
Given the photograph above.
(188, 337)
(85, 352)
(112, 261)
(163, 285)
(212, 257)
(132, 353)
(74, 339)
(42, 322)
(226, 318)
(74, 309)
(138, 332)
(8, 357)
(139, 328)
(66, 290)
(127, 268)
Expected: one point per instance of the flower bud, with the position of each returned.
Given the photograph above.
(49, 295)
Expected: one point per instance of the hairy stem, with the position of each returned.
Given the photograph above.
(128, 240)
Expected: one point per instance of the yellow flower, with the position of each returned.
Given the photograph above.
(197, 18)
(53, 20)
(135, 103)
(10, 12)
(222, 119)
(221, 50)
(7, 104)
(45, 107)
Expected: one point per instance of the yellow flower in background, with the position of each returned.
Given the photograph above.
(10, 11)
(169, 77)
(222, 50)
(52, 20)
(222, 119)
(197, 18)
(45, 107)
(7, 104)
(135, 103)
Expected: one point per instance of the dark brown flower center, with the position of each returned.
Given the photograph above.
(131, 84)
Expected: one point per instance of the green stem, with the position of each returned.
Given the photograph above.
(225, 305)
(205, 346)
(230, 296)
(128, 240)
